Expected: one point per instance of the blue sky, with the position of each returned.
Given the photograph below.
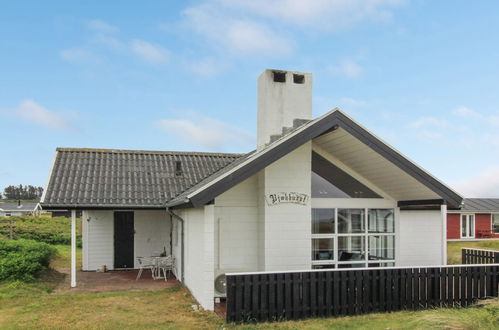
(181, 75)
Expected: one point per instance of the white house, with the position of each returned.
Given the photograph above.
(316, 193)
(17, 209)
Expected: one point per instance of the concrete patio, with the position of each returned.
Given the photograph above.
(122, 280)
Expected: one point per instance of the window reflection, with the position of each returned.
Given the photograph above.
(351, 221)
(381, 221)
(351, 248)
(323, 249)
(322, 221)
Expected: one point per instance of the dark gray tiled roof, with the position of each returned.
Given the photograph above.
(209, 179)
(481, 204)
(126, 178)
(16, 207)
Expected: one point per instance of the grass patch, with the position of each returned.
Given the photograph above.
(63, 258)
(42, 228)
(454, 249)
(33, 306)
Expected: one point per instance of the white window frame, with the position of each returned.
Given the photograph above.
(492, 223)
(467, 215)
(365, 234)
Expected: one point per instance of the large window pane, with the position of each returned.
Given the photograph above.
(351, 248)
(381, 221)
(495, 224)
(322, 221)
(381, 247)
(323, 249)
(351, 221)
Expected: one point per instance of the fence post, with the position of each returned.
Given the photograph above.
(496, 257)
(463, 256)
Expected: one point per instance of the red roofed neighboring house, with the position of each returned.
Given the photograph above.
(478, 218)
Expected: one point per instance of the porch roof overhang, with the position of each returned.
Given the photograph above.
(352, 144)
(65, 207)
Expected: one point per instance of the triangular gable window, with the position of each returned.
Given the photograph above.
(329, 181)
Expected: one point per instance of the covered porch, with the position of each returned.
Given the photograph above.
(115, 245)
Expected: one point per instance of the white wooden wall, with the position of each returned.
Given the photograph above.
(420, 238)
(236, 228)
(152, 234)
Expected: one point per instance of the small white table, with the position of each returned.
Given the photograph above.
(156, 272)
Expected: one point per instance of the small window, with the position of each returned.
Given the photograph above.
(298, 78)
(495, 223)
(381, 221)
(279, 76)
(323, 249)
(351, 221)
(323, 221)
(351, 248)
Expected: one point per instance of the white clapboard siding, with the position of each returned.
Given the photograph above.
(420, 238)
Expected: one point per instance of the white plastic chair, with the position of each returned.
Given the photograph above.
(166, 265)
(145, 263)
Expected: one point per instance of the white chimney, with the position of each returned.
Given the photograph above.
(283, 96)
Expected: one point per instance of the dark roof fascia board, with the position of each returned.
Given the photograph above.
(261, 161)
(423, 202)
(330, 122)
(103, 207)
(181, 205)
(403, 163)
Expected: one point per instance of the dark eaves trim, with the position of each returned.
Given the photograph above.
(321, 126)
(100, 207)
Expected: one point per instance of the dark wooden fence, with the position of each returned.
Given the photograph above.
(476, 256)
(296, 295)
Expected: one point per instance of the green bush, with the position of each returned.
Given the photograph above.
(41, 229)
(24, 260)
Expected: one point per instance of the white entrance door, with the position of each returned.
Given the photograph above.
(467, 225)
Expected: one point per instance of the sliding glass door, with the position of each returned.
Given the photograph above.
(467, 225)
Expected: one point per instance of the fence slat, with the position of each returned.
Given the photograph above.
(296, 295)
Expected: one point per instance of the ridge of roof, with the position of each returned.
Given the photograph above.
(327, 122)
(166, 152)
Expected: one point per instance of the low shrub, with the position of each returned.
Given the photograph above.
(24, 260)
(41, 229)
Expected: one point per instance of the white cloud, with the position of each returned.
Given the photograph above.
(78, 54)
(466, 112)
(239, 35)
(207, 133)
(430, 128)
(206, 67)
(101, 26)
(33, 112)
(319, 14)
(347, 68)
(351, 102)
(149, 52)
(108, 41)
(485, 184)
(431, 122)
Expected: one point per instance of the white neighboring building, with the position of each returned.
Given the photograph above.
(321, 193)
(17, 209)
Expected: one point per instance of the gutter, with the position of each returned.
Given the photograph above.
(181, 239)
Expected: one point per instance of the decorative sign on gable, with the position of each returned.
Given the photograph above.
(287, 197)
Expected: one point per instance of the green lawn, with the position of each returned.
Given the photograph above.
(454, 249)
(36, 305)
